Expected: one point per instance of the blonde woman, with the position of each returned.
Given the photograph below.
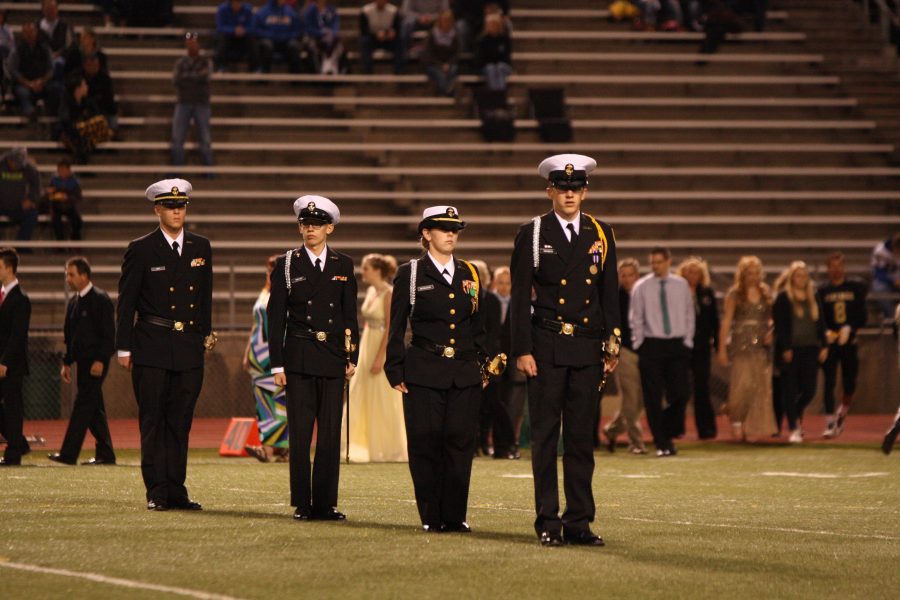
(377, 433)
(706, 339)
(800, 344)
(746, 336)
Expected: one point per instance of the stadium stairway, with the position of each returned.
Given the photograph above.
(774, 147)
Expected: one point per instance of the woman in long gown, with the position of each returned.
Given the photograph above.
(377, 433)
(747, 324)
(271, 410)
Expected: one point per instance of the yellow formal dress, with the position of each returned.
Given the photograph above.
(377, 432)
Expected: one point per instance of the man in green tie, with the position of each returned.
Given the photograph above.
(662, 332)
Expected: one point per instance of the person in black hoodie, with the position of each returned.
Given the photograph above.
(706, 341)
(493, 53)
(799, 342)
(79, 129)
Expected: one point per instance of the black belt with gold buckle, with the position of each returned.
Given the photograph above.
(318, 336)
(564, 328)
(444, 351)
(168, 323)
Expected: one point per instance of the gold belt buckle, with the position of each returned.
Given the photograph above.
(321, 336)
(449, 352)
(179, 326)
(567, 329)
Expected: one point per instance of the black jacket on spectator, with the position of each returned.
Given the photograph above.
(706, 326)
(439, 54)
(90, 329)
(624, 323)
(61, 37)
(472, 11)
(31, 62)
(493, 49)
(74, 57)
(783, 315)
(100, 91)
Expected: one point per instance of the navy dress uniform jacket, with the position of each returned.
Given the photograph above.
(157, 282)
(569, 287)
(90, 328)
(442, 316)
(318, 302)
(15, 316)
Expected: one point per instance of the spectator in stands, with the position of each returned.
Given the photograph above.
(100, 91)
(493, 53)
(420, 15)
(730, 16)
(664, 15)
(800, 344)
(87, 45)
(81, 127)
(662, 332)
(706, 340)
(278, 30)
(110, 9)
(745, 336)
(56, 33)
(628, 377)
(235, 40)
(470, 18)
(379, 27)
(64, 194)
(441, 56)
(20, 189)
(886, 272)
(191, 78)
(31, 69)
(322, 25)
(7, 39)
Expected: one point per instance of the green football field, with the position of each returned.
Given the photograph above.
(721, 521)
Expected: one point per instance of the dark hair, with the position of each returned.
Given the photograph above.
(834, 257)
(661, 250)
(10, 258)
(81, 265)
(64, 163)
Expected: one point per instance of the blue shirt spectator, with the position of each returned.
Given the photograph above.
(321, 21)
(278, 22)
(228, 19)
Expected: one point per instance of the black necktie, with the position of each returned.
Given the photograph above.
(573, 237)
(319, 265)
(446, 275)
(175, 248)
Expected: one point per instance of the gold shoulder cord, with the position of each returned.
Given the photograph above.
(602, 237)
(474, 272)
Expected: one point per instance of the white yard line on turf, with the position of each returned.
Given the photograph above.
(820, 475)
(867, 536)
(127, 583)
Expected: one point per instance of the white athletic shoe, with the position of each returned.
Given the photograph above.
(830, 430)
(796, 437)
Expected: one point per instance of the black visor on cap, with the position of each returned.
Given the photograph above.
(314, 216)
(173, 203)
(446, 225)
(574, 180)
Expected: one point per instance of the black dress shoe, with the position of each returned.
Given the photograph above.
(329, 515)
(889, 438)
(10, 463)
(56, 457)
(584, 538)
(185, 504)
(302, 514)
(610, 443)
(461, 527)
(99, 461)
(551, 539)
(157, 505)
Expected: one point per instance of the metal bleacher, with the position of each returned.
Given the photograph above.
(759, 149)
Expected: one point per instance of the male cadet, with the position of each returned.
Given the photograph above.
(569, 259)
(15, 316)
(312, 311)
(90, 336)
(166, 284)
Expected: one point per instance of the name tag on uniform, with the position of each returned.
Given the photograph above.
(154, 269)
(425, 288)
(298, 279)
(548, 250)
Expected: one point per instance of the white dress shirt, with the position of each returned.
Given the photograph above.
(450, 267)
(171, 240)
(321, 257)
(576, 222)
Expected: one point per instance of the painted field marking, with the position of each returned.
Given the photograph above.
(867, 536)
(518, 476)
(821, 475)
(638, 476)
(126, 583)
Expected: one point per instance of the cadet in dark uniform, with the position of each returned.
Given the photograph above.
(569, 259)
(15, 317)
(844, 304)
(311, 310)
(164, 325)
(439, 373)
(90, 337)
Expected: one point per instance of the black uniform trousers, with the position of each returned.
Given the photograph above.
(166, 401)
(88, 413)
(664, 365)
(11, 419)
(312, 399)
(495, 396)
(847, 357)
(569, 393)
(441, 444)
(704, 414)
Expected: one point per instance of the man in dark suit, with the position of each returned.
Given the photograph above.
(312, 310)
(164, 324)
(568, 259)
(15, 317)
(442, 299)
(90, 336)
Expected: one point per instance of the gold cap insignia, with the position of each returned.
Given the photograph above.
(570, 169)
(311, 206)
(175, 190)
(450, 212)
